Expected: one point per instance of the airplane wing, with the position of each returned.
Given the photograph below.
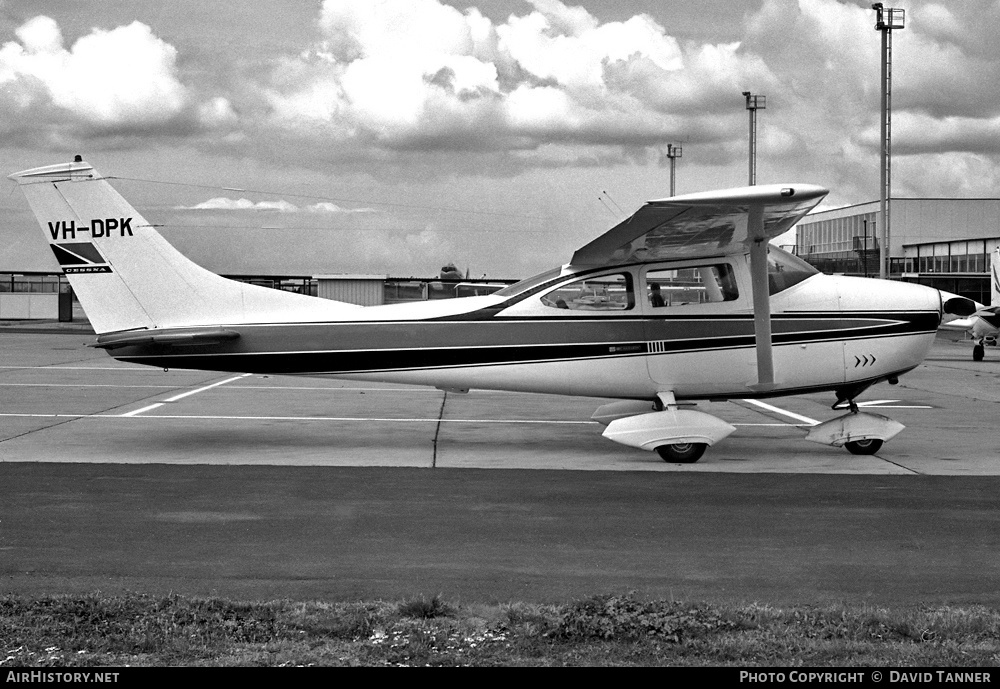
(706, 224)
(990, 314)
(712, 224)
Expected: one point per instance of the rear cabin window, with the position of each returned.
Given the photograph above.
(706, 284)
(604, 293)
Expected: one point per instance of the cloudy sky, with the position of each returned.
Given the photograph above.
(392, 136)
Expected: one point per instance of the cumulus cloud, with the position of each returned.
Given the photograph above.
(222, 203)
(119, 81)
(420, 84)
(418, 73)
(401, 75)
(227, 204)
(121, 77)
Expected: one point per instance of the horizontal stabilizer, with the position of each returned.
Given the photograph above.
(168, 338)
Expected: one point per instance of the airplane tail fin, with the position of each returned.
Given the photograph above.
(127, 276)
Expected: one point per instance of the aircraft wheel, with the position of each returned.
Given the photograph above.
(978, 352)
(864, 447)
(681, 453)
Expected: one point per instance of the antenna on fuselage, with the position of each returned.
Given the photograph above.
(615, 215)
(620, 211)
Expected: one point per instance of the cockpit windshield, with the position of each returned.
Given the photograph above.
(528, 283)
(785, 270)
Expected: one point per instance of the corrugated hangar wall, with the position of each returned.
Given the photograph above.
(366, 290)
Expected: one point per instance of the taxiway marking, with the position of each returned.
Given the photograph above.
(891, 404)
(184, 394)
(203, 417)
(778, 410)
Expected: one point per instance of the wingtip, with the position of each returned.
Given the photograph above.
(760, 193)
(77, 169)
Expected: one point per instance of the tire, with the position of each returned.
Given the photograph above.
(681, 453)
(978, 352)
(864, 447)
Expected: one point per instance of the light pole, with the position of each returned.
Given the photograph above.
(754, 103)
(673, 152)
(886, 19)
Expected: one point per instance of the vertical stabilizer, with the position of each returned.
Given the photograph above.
(127, 276)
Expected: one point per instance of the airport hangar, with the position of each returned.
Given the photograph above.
(944, 243)
(940, 242)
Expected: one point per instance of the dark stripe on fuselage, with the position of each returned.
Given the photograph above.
(378, 346)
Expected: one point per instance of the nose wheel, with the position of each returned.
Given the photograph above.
(860, 433)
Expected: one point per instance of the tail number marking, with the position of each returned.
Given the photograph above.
(99, 227)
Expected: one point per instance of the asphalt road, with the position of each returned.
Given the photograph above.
(117, 478)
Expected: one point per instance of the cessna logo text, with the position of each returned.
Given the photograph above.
(99, 227)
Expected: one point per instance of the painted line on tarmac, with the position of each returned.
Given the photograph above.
(366, 419)
(200, 417)
(237, 388)
(335, 388)
(778, 410)
(52, 416)
(891, 404)
(85, 385)
(130, 369)
(181, 396)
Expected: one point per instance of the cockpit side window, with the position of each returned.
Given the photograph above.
(785, 270)
(691, 285)
(602, 293)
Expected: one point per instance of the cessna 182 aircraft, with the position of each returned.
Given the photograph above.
(684, 300)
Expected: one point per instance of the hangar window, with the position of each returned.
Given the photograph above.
(602, 293)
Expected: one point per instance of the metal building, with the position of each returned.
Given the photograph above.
(941, 242)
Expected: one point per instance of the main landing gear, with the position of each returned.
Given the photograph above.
(681, 453)
(678, 435)
(681, 436)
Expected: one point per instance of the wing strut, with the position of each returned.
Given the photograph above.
(761, 298)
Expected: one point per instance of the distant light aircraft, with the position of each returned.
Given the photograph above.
(984, 323)
(735, 318)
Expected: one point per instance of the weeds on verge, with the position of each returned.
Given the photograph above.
(135, 629)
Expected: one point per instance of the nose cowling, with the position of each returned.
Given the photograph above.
(873, 294)
(893, 322)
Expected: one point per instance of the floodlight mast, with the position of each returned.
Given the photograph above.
(886, 19)
(754, 103)
(673, 152)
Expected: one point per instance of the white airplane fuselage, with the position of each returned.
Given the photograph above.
(829, 333)
(684, 299)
